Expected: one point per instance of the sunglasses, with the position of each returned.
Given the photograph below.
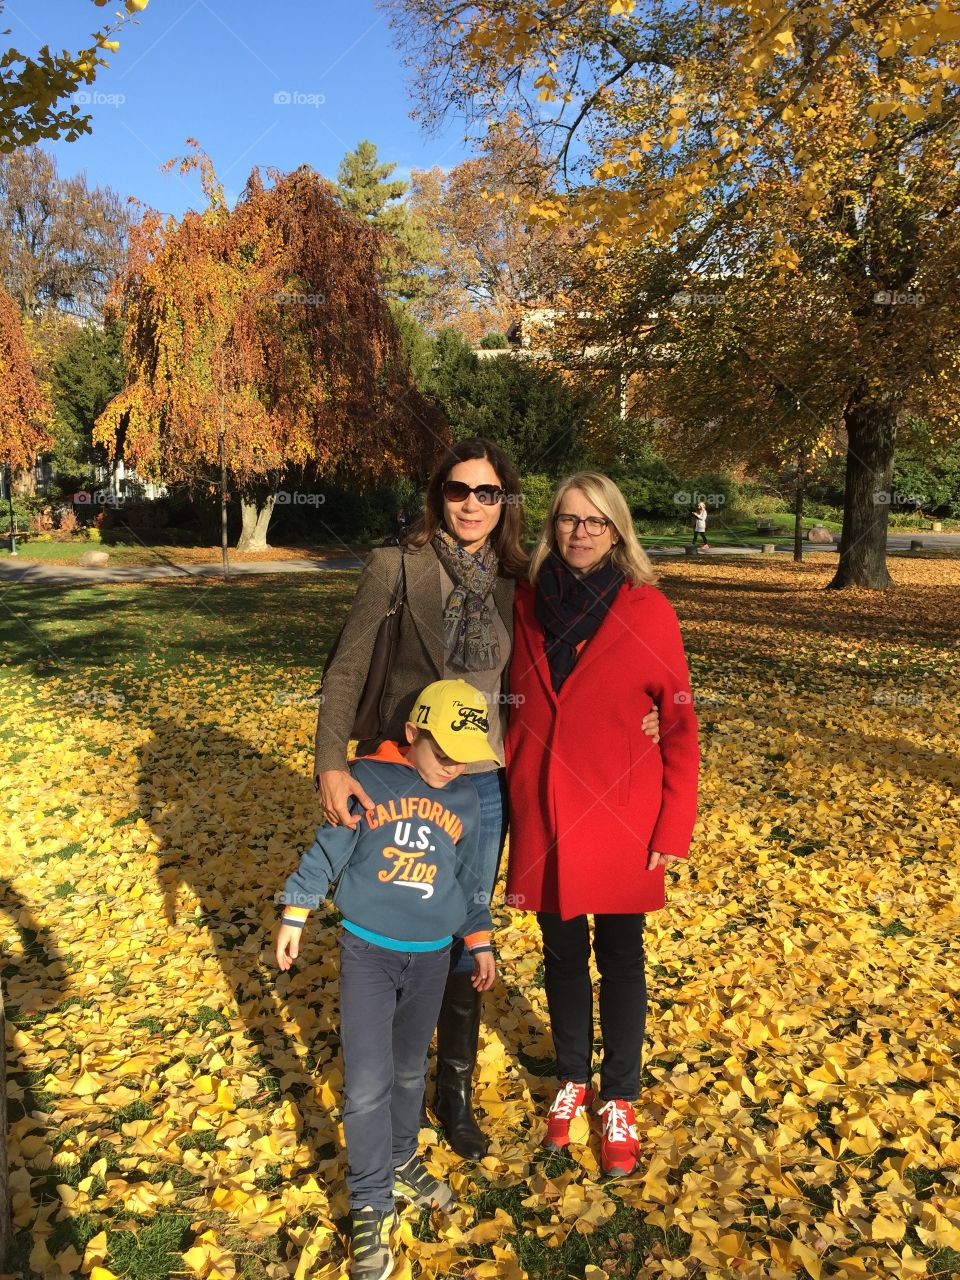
(487, 494)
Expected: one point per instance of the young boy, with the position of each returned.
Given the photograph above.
(407, 883)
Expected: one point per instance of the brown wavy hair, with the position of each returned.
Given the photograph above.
(507, 537)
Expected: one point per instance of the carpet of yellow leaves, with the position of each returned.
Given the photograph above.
(801, 1114)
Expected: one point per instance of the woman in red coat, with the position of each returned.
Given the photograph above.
(596, 808)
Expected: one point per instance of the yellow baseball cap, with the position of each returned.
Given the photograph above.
(455, 713)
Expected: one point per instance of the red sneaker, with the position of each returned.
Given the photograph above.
(572, 1100)
(620, 1147)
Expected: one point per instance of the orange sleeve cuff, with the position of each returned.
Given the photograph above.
(472, 940)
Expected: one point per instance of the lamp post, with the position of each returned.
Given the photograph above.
(13, 536)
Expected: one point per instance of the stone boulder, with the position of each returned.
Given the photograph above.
(819, 534)
(95, 559)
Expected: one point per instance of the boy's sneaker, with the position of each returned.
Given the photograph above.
(413, 1182)
(371, 1256)
(620, 1147)
(572, 1100)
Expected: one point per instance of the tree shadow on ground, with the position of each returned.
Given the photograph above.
(742, 599)
(231, 823)
(35, 985)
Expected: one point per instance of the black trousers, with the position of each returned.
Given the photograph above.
(618, 947)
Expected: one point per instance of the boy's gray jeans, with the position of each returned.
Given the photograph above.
(389, 1005)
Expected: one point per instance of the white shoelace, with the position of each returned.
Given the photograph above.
(566, 1102)
(615, 1121)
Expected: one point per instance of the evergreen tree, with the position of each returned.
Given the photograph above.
(86, 375)
(365, 187)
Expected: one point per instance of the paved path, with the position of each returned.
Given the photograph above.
(69, 575)
(21, 569)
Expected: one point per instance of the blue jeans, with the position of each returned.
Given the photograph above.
(389, 1005)
(491, 788)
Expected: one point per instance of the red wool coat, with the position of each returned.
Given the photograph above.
(590, 793)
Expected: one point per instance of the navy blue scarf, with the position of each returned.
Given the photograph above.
(570, 609)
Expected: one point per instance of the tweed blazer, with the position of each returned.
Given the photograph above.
(418, 659)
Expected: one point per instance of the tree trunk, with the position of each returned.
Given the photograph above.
(224, 553)
(255, 512)
(871, 438)
(798, 513)
(24, 482)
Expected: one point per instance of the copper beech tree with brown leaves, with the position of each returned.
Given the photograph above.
(259, 337)
(24, 408)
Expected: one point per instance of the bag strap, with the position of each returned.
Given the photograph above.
(397, 600)
(399, 596)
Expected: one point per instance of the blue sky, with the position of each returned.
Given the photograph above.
(211, 69)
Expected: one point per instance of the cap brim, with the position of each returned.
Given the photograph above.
(465, 751)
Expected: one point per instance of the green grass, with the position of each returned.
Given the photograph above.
(151, 1251)
(734, 533)
(114, 637)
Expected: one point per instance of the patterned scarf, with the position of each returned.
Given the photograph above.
(468, 631)
(570, 609)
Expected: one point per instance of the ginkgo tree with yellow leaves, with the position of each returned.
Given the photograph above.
(805, 156)
(34, 88)
(259, 345)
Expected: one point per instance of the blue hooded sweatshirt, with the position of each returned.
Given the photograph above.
(406, 875)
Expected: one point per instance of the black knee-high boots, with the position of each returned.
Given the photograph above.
(458, 1030)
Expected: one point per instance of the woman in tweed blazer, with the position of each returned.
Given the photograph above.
(461, 562)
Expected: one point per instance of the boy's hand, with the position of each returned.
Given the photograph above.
(288, 945)
(650, 724)
(484, 970)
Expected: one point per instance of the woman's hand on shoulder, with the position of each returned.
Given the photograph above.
(336, 786)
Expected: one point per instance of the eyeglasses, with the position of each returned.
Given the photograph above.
(487, 494)
(594, 525)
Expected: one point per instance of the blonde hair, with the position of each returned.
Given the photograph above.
(627, 555)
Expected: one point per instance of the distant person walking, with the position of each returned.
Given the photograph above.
(699, 514)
